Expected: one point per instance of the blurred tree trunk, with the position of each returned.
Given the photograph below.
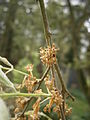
(7, 37)
(84, 84)
(76, 47)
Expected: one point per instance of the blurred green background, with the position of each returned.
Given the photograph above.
(22, 34)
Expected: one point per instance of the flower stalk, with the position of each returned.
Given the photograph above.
(24, 95)
(18, 71)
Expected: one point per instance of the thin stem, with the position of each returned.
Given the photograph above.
(52, 70)
(64, 89)
(23, 73)
(39, 113)
(44, 100)
(26, 106)
(18, 71)
(60, 76)
(24, 95)
(45, 22)
(62, 114)
(69, 94)
(44, 75)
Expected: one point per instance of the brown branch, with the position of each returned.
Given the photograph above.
(60, 76)
(64, 89)
(45, 22)
(44, 75)
(62, 114)
(53, 74)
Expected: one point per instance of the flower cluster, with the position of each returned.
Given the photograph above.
(56, 96)
(20, 102)
(48, 55)
(68, 111)
(34, 115)
(30, 81)
(21, 118)
(36, 108)
(56, 101)
(49, 83)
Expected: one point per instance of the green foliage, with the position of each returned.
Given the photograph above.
(80, 107)
(5, 80)
(22, 67)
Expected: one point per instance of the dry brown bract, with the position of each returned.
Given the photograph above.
(36, 108)
(48, 55)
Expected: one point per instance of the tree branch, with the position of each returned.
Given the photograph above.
(64, 89)
(45, 22)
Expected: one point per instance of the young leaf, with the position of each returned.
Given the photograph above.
(5, 80)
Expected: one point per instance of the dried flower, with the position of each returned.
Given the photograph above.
(55, 99)
(38, 91)
(29, 82)
(49, 83)
(57, 110)
(20, 102)
(21, 118)
(68, 111)
(29, 68)
(48, 55)
(36, 108)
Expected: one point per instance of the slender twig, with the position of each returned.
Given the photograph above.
(62, 114)
(24, 95)
(44, 100)
(52, 70)
(45, 22)
(69, 94)
(62, 84)
(18, 71)
(64, 89)
(60, 76)
(25, 108)
(44, 75)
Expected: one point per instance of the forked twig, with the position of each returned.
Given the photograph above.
(6, 62)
